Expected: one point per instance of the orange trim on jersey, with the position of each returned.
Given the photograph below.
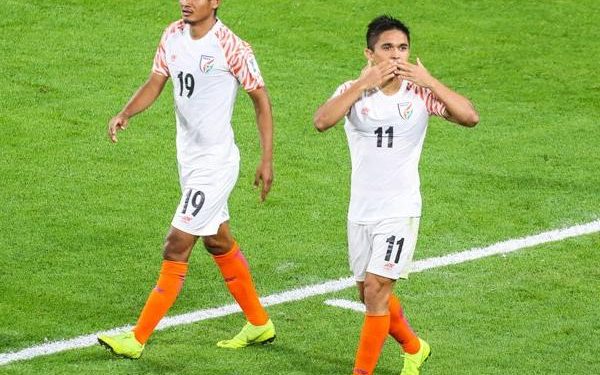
(432, 103)
(239, 57)
(343, 88)
(159, 65)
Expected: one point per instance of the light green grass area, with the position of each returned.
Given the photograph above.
(82, 221)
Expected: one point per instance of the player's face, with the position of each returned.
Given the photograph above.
(194, 11)
(391, 45)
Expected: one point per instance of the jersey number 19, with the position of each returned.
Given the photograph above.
(186, 81)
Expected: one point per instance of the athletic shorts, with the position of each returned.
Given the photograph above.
(384, 248)
(203, 205)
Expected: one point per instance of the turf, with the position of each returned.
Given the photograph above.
(82, 220)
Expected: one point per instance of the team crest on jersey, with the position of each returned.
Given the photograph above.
(405, 109)
(206, 63)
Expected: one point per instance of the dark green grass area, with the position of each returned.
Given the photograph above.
(530, 312)
(82, 221)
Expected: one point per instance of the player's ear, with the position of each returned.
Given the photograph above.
(369, 55)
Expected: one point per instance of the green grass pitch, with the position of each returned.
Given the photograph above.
(82, 221)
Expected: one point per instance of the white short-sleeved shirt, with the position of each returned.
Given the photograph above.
(385, 136)
(206, 74)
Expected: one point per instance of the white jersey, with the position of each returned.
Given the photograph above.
(385, 136)
(206, 74)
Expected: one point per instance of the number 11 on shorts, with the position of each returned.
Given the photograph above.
(391, 242)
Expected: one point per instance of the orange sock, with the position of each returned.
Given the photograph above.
(374, 332)
(235, 271)
(170, 281)
(400, 329)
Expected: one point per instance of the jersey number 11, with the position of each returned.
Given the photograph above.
(390, 136)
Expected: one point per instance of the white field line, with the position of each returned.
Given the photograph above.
(346, 304)
(309, 291)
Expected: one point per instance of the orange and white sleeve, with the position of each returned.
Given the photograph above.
(342, 88)
(434, 106)
(160, 59)
(240, 59)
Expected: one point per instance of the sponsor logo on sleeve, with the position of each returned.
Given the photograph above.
(253, 66)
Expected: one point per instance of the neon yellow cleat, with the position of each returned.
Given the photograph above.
(250, 335)
(413, 362)
(122, 345)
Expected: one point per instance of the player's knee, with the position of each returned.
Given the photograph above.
(371, 289)
(215, 245)
(176, 248)
(376, 294)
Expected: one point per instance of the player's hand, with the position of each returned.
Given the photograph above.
(264, 174)
(117, 123)
(373, 76)
(417, 74)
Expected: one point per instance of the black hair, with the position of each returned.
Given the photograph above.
(381, 24)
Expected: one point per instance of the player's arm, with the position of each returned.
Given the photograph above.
(264, 121)
(142, 99)
(459, 109)
(337, 107)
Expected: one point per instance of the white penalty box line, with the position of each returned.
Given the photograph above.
(310, 291)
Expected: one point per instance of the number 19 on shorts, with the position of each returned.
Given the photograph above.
(195, 199)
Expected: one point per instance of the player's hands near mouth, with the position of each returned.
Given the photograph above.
(374, 75)
(417, 74)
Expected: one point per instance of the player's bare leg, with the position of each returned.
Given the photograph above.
(178, 245)
(236, 273)
(416, 350)
(177, 249)
(375, 292)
